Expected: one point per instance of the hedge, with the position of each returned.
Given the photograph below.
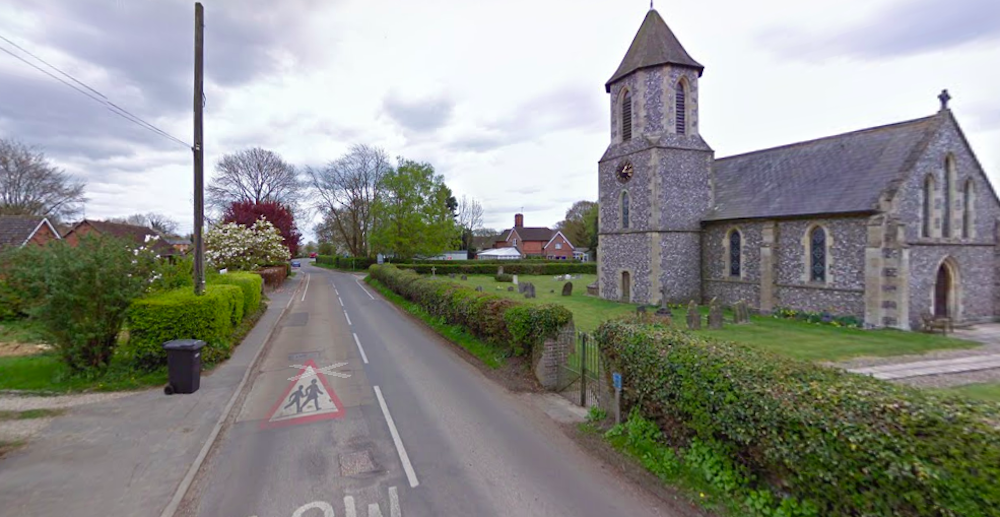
(250, 283)
(273, 276)
(852, 445)
(522, 268)
(499, 262)
(514, 325)
(180, 314)
(350, 263)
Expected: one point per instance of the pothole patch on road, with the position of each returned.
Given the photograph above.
(357, 463)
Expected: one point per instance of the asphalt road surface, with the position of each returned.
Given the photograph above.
(413, 431)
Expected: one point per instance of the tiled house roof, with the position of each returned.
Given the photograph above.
(654, 45)
(845, 173)
(15, 230)
(535, 233)
(136, 234)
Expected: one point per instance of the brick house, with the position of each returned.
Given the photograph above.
(19, 231)
(535, 241)
(128, 232)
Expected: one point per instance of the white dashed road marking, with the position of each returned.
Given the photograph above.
(411, 475)
(348, 318)
(360, 349)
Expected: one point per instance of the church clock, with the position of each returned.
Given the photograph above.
(625, 172)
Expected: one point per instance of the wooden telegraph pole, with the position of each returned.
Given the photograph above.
(199, 148)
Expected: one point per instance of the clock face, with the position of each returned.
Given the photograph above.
(625, 173)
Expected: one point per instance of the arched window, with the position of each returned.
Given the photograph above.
(968, 194)
(928, 211)
(817, 254)
(625, 210)
(949, 195)
(627, 116)
(735, 253)
(680, 98)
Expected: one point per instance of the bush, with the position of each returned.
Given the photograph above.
(849, 444)
(250, 283)
(20, 281)
(241, 248)
(522, 268)
(504, 278)
(348, 263)
(180, 314)
(517, 326)
(273, 276)
(172, 274)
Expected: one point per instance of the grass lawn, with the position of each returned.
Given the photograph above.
(796, 339)
(989, 392)
(21, 331)
(47, 373)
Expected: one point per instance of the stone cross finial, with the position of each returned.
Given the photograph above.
(944, 98)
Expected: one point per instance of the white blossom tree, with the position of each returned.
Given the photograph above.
(236, 247)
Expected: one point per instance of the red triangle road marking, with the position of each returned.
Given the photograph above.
(311, 402)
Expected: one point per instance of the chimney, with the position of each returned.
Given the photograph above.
(518, 220)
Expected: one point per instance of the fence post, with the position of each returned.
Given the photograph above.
(583, 370)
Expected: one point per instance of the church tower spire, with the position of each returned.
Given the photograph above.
(654, 45)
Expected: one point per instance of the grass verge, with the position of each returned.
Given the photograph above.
(30, 414)
(989, 392)
(489, 355)
(21, 331)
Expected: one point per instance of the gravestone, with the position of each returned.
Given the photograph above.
(464, 277)
(479, 288)
(664, 310)
(567, 289)
(433, 271)
(515, 279)
(499, 270)
(714, 315)
(451, 276)
(529, 290)
(742, 313)
(522, 287)
(640, 309)
(510, 289)
(693, 316)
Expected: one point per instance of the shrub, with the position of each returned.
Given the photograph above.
(504, 278)
(522, 268)
(273, 276)
(181, 314)
(250, 283)
(241, 248)
(849, 444)
(518, 326)
(348, 263)
(21, 285)
(174, 273)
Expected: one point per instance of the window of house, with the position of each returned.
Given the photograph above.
(928, 208)
(627, 116)
(817, 254)
(681, 107)
(625, 210)
(949, 194)
(735, 253)
(558, 245)
(967, 202)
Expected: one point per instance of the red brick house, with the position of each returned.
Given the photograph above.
(535, 241)
(136, 234)
(18, 231)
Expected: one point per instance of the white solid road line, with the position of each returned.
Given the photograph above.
(348, 318)
(411, 476)
(363, 288)
(306, 290)
(362, 350)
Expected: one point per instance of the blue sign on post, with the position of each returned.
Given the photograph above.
(617, 379)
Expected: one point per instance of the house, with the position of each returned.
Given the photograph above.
(18, 231)
(500, 254)
(535, 241)
(888, 224)
(181, 244)
(582, 254)
(138, 235)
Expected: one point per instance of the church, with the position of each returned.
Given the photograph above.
(889, 224)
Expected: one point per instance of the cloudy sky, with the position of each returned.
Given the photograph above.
(505, 98)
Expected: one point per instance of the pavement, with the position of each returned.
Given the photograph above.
(126, 456)
(351, 409)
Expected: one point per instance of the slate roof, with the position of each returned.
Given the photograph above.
(129, 232)
(529, 233)
(15, 229)
(844, 173)
(654, 45)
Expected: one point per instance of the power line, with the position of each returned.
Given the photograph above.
(99, 98)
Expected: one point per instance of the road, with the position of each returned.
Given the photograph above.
(413, 431)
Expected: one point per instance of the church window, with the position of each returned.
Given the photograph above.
(627, 116)
(967, 201)
(817, 254)
(681, 107)
(928, 207)
(735, 253)
(625, 210)
(949, 194)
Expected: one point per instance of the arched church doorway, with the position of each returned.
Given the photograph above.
(626, 287)
(946, 291)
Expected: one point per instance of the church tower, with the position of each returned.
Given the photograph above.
(654, 179)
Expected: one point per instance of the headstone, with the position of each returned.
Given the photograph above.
(592, 289)
(521, 288)
(714, 315)
(499, 270)
(479, 288)
(744, 312)
(433, 271)
(464, 277)
(567, 277)
(567, 289)
(693, 316)
(529, 290)
(640, 309)
(664, 310)
(515, 280)
(510, 289)
(451, 276)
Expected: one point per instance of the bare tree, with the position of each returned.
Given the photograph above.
(345, 191)
(30, 185)
(470, 219)
(256, 175)
(158, 222)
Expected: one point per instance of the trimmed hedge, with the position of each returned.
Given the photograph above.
(522, 268)
(349, 263)
(851, 445)
(274, 276)
(180, 314)
(250, 283)
(516, 326)
(499, 262)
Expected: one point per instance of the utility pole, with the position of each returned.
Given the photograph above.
(199, 148)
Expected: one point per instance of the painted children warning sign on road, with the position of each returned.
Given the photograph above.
(309, 398)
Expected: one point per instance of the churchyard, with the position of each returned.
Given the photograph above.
(797, 339)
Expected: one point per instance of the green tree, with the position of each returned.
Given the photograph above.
(580, 225)
(414, 212)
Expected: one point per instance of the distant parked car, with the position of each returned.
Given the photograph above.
(296, 263)
(312, 255)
